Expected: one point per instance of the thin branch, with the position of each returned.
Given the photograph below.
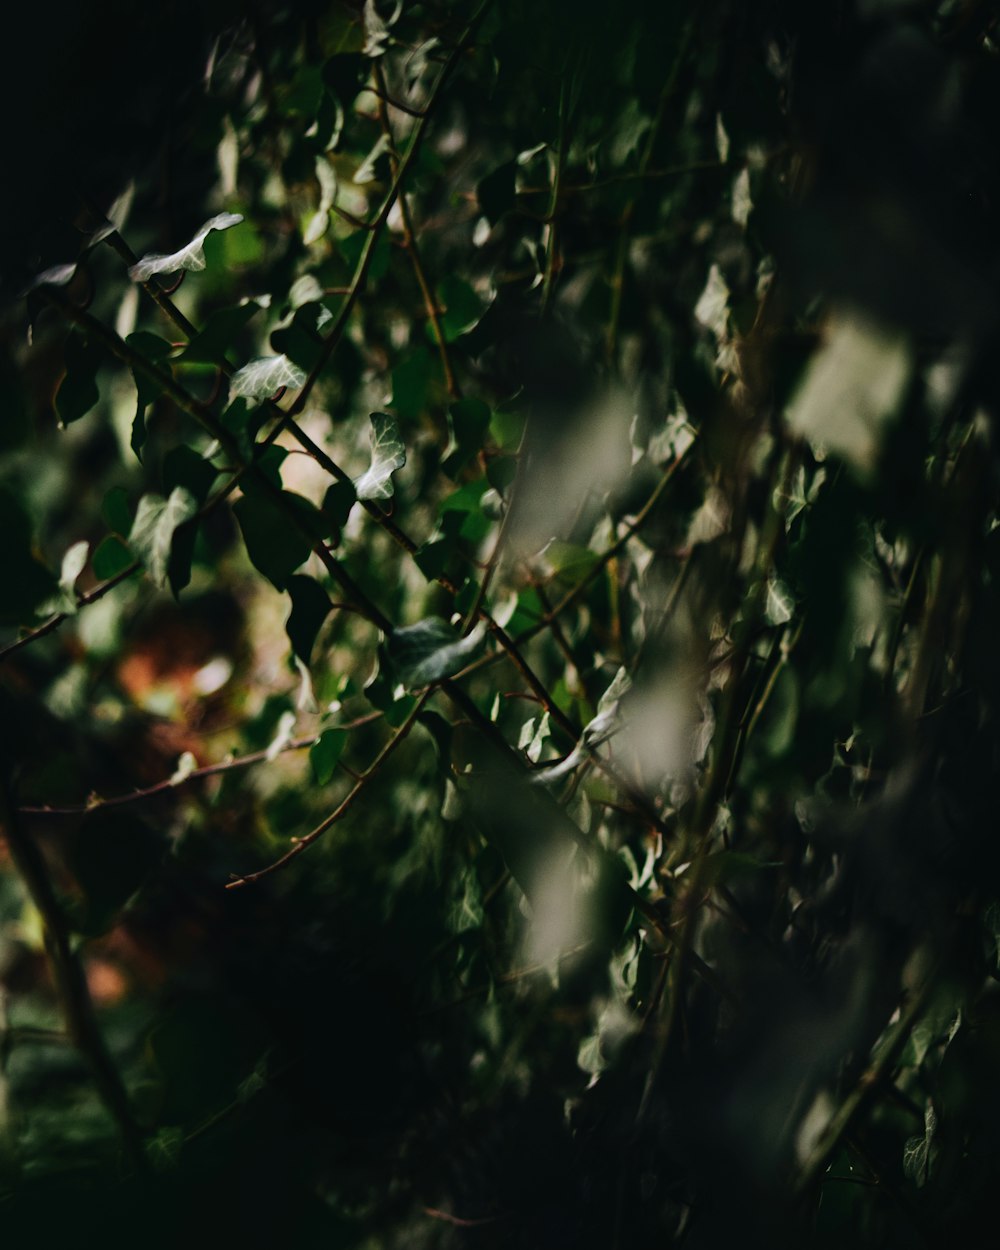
(59, 618)
(302, 844)
(410, 239)
(70, 979)
(169, 786)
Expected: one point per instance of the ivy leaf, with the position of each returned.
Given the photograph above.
(26, 581)
(156, 521)
(462, 308)
(276, 547)
(264, 377)
(431, 651)
(73, 564)
(219, 333)
(388, 455)
(325, 754)
(111, 558)
(190, 257)
(469, 421)
(495, 192)
(310, 608)
(78, 391)
(156, 350)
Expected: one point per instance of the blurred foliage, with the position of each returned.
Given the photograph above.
(500, 709)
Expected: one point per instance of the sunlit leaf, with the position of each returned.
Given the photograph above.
(190, 257)
(264, 377)
(156, 522)
(388, 455)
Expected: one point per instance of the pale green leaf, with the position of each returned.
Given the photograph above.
(190, 257)
(388, 455)
(156, 522)
(264, 377)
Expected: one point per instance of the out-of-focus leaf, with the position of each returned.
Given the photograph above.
(156, 521)
(431, 651)
(25, 580)
(388, 455)
(310, 608)
(495, 192)
(325, 753)
(852, 389)
(468, 421)
(110, 558)
(112, 855)
(78, 391)
(461, 308)
(190, 257)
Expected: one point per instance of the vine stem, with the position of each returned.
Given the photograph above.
(302, 844)
(70, 979)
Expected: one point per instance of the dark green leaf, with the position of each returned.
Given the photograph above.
(78, 391)
(183, 466)
(411, 383)
(325, 753)
(461, 308)
(116, 511)
(310, 608)
(110, 558)
(430, 651)
(495, 192)
(274, 542)
(218, 335)
(25, 581)
(469, 421)
(156, 521)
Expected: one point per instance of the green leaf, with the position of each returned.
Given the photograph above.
(112, 855)
(431, 651)
(310, 608)
(469, 423)
(78, 391)
(183, 466)
(156, 521)
(191, 257)
(264, 377)
(14, 426)
(116, 511)
(411, 383)
(338, 501)
(496, 191)
(148, 390)
(461, 307)
(26, 582)
(276, 547)
(388, 455)
(302, 341)
(325, 753)
(110, 558)
(218, 335)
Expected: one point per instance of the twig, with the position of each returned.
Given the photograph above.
(70, 980)
(170, 786)
(302, 844)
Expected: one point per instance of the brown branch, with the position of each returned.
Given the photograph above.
(170, 786)
(59, 618)
(70, 979)
(302, 844)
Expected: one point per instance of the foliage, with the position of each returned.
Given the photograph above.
(500, 707)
